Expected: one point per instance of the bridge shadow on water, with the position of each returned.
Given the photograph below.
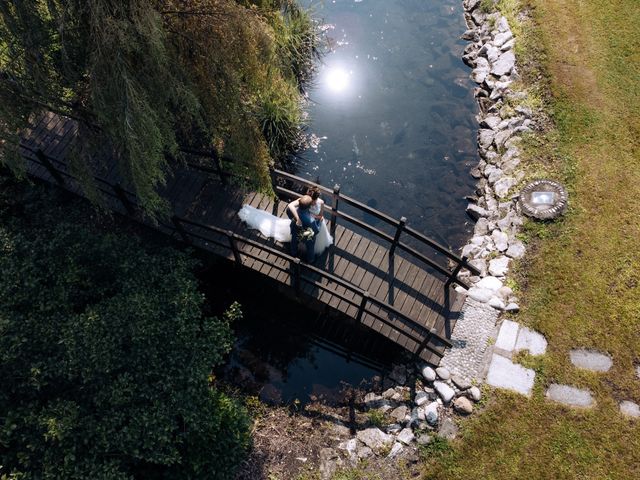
(287, 350)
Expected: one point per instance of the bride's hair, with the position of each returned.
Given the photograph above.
(314, 193)
(305, 202)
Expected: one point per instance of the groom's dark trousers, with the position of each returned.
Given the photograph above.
(307, 222)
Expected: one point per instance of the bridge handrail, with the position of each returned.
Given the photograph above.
(461, 262)
(344, 198)
(336, 196)
(233, 238)
(399, 225)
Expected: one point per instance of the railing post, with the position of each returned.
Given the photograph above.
(423, 345)
(49, 166)
(218, 160)
(123, 199)
(234, 247)
(180, 229)
(396, 238)
(455, 272)
(334, 210)
(363, 304)
(295, 275)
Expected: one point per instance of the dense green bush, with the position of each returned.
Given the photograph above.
(105, 360)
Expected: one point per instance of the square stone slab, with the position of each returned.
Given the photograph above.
(532, 341)
(503, 373)
(507, 336)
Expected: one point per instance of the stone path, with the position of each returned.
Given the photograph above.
(503, 373)
(630, 409)
(474, 328)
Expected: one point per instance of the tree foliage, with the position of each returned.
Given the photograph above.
(148, 76)
(105, 359)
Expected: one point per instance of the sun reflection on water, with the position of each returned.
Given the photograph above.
(337, 79)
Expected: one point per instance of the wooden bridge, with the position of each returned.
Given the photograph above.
(380, 272)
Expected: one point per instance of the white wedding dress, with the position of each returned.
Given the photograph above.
(280, 228)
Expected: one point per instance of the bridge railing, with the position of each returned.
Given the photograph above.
(299, 273)
(399, 226)
(287, 185)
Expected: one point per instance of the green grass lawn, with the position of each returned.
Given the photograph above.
(579, 282)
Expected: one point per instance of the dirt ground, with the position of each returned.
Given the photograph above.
(290, 444)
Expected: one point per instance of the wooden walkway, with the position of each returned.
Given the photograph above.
(369, 275)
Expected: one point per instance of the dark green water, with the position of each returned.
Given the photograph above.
(393, 111)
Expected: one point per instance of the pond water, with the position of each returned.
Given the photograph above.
(393, 111)
(285, 351)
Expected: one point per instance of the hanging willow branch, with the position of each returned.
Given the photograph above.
(145, 76)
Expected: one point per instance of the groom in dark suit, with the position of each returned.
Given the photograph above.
(301, 219)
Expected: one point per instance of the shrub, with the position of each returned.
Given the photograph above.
(105, 359)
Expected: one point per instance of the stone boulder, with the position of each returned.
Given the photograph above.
(463, 405)
(461, 382)
(443, 373)
(485, 138)
(496, 302)
(503, 186)
(372, 400)
(478, 294)
(504, 65)
(475, 211)
(516, 249)
(406, 436)
(474, 394)
(428, 373)
(399, 414)
(501, 38)
(444, 390)
(500, 240)
(330, 461)
(374, 438)
(448, 429)
(498, 267)
(421, 398)
(490, 283)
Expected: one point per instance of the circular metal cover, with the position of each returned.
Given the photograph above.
(543, 199)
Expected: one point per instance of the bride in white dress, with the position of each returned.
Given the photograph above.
(280, 228)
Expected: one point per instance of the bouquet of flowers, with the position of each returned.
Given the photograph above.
(305, 234)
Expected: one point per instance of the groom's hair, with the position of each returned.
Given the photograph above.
(305, 202)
